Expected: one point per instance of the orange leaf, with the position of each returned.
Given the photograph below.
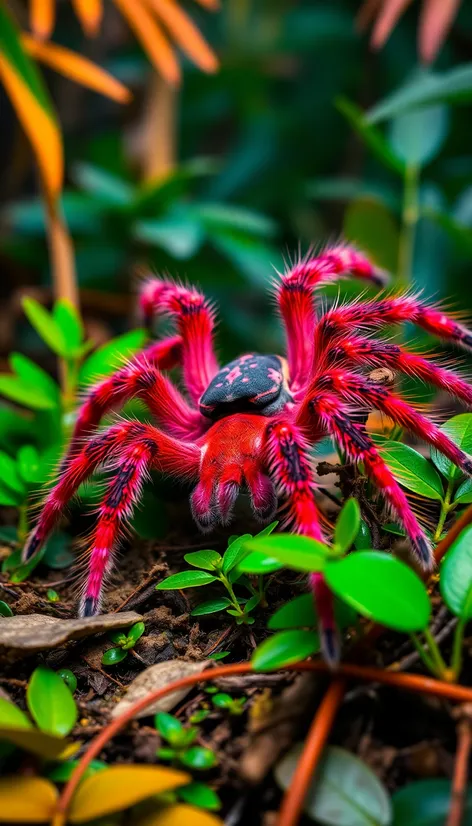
(180, 815)
(186, 34)
(90, 14)
(152, 38)
(120, 787)
(77, 68)
(26, 800)
(40, 127)
(42, 17)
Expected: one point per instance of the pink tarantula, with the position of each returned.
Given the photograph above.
(252, 423)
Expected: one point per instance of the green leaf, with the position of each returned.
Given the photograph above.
(412, 470)
(5, 610)
(459, 429)
(229, 216)
(11, 48)
(453, 86)
(113, 656)
(209, 560)
(285, 648)
(111, 356)
(63, 771)
(299, 552)
(234, 553)
(427, 803)
(105, 187)
(463, 494)
(186, 579)
(371, 136)
(363, 539)
(200, 795)
(11, 715)
(268, 529)
(417, 137)
(259, 563)
(36, 378)
(381, 588)
(347, 525)
(50, 702)
(181, 235)
(69, 678)
(9, 475)
(134, 634)
(45, 325)
(343, 792)
(168, 726)
(210, 607)
(250, 256)
(16, 390)
(69, 322)
(297, 613)
(52, 595)
(222, 700)
(29, 464)
(199, 757)
(456, 576)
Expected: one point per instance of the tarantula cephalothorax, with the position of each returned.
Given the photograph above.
(251, 424)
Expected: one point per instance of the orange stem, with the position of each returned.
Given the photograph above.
(409, 682)
(313, 749)
(461, 773)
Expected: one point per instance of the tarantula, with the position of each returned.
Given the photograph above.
(252, 423)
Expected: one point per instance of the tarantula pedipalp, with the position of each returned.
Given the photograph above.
(252, 422)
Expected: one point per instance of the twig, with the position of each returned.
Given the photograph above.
(461, 771)
(310, 756)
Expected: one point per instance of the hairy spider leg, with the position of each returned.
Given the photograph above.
(340, 322)
(359, 447)
(296, 304)
(195, 319)
(367, 351)
(354, 388)
(287, 457)
(179, 458)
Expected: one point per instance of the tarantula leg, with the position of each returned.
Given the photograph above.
(288, 458)
(180, 458)
(295, 299)
(261, 491)
(195, 322)
(340, 321)
(381, 354)
(359, 447)
(138, 379)
(359, 389)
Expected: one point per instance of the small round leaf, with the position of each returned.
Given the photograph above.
(204, 559)
(50, 702)
(285, 648)
(347, 524)
(456, 576)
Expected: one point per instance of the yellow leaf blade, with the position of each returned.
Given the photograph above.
(152, 38)
(119, 787)
(37, 742)
(180, 815)
(77, 68)
(42, 17)
(41, 129)
(185, 34)
(26, 800)
(90, 14)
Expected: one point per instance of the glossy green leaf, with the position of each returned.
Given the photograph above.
(186, 579)
(52, 595)
(412, 470)
(234, 553)
(363, 540)
(297, 613)
(200, 795)
(134, 634)
(168, 726)
(181, 235)
(268, 529)
(343, 792)
(63, 771)
(452, 86)
(427, 803)
(370, 135)
(284, 648)
(9, 475)
(11, 715)
(199, 757)
(5, 610)
(16, 390)
(35, 377)
(222, 700)
(113, 656)
(105, 187)
(111, 356)
(417, 137)
(69, 322)
(210, 607)
(456, 576)
(381, 588)
(259, 563)
(45, 325)
(50, 702)
(69, 678)
(299, 552)
(208, 560)
(29, 465)
(463, 494)
(347, 524)
(459, 429)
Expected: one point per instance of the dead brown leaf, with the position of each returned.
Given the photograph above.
(155, 677)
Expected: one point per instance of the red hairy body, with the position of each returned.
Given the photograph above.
(250, 425)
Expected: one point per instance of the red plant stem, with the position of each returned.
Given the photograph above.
(461, 773)
(312, 751)
(409, 682)
(443, 546)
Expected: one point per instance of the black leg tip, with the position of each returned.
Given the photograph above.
(33, 545)
(330, 646)
(89, 607)
(424, 551)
